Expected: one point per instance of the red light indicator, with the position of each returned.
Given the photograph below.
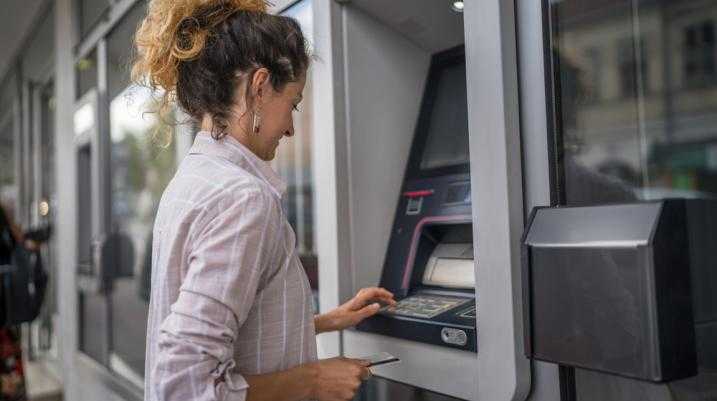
(418, 194)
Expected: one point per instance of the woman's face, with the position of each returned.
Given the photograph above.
(276, 116)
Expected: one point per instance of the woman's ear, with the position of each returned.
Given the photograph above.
(259, 82)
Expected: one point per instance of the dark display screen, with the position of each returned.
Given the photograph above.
(447, 142)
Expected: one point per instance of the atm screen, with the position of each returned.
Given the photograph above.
(447, 142)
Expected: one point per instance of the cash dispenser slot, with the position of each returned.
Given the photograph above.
(620, 288)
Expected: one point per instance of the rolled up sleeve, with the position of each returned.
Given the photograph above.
(231, 253)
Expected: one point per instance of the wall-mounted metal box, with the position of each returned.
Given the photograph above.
(619, 288)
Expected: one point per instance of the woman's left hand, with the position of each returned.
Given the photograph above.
(363, 305)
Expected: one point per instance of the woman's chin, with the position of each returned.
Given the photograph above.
(269, 156)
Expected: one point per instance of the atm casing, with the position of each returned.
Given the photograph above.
(620, 288)
(441, 198)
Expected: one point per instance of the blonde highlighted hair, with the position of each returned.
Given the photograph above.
(195, 50)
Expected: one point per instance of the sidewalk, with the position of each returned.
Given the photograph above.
(42, 384)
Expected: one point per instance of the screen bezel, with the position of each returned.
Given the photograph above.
(439, 62)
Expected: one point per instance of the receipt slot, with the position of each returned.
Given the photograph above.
(618, 288)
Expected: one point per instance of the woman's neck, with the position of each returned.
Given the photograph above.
(235, 131)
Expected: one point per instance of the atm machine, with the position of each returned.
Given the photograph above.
(429, 263)
(402, 190)
(418, 233)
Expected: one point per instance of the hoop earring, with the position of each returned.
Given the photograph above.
(256, 121)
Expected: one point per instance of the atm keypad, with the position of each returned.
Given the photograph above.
(424, 306)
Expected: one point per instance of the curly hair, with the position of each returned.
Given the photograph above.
(197, 51)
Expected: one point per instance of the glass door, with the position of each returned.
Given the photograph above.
(126, 157)
(91, 283)
(142, 161)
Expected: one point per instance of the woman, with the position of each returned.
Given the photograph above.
(230, 310)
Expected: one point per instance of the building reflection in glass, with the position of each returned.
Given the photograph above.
(638, 95)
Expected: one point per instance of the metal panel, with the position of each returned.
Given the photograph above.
(491, 61)
(534, 119)
(36, 154)
(25, 176)
(380, 131)
(19, 19)
(429, 24)
(102, 185)
(114, 15)
(37, 57)
(17, 143)
(65, 176)
(438, 369)
(329, 156)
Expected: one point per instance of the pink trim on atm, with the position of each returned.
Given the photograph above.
(408, 269)
(418, 194)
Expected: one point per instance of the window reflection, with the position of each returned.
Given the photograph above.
(90, 12)
(86, 72)
(699, 53)
(293, 162)
(143, 162)
(7, 162)
(637, 98)
(635, 87)
(9, 187)
(46, 207)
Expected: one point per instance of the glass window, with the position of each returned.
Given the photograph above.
(699, 53)
(631, 67)
(48, 144)
(86, 70)
(594, 72)
(652, 135)
(8, 189)
(142, 165)
(143, 160)
(92, 308)
(8, 184)
(90, 13)
(293, 162)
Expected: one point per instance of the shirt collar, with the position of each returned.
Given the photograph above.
(230, 149)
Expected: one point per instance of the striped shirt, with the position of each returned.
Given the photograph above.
(229, 295)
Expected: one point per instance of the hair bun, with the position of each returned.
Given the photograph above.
(177, 30)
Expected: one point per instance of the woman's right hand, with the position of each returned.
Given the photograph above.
(338, 379)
